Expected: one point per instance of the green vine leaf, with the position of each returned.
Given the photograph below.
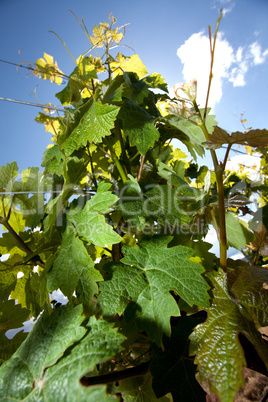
(8, 174)
(74, 170)
(145, 277)
(96, 123)
(139, 126)
(215, 343)
(238, 234)
(36, 370)
(172, 128)
(78, 80)
(155, 80)
(73, 269)
(53, 160)
(193, 132)
(90, 223)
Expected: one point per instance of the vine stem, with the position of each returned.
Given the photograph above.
(64, 45)
(19, 240)
(141, 167)
(117, 162)
(115, 376)
(23, 245)
(219, 169)
(92, 168)
(212, 52)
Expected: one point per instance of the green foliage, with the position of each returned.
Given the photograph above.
(147, 277)
(117, 221)
(221, 357)
(38, 367)
(96, 123)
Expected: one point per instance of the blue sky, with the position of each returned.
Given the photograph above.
(169, 36)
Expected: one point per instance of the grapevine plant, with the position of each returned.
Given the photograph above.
(117, 220)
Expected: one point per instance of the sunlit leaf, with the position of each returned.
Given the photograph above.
(8, 174)
(95, 124)
(132, 63)
(79, 79)
(48, 70)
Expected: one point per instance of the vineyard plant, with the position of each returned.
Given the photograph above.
(116, 220)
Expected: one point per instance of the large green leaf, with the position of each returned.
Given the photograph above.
(8, 174)
(219, 354)
(238, 235)
(90, 223)
(36, 370)
(74, 170)
(172, 369)
(146, 277)
(169, 130)
(139, 126)
(193, 132)
(94, 125)
(53, 160)
(73, 269)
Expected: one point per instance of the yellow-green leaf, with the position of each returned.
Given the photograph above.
(132, 63)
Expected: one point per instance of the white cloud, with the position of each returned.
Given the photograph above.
(229, 64)
(250, 164)
(195, 57)
(257, 55)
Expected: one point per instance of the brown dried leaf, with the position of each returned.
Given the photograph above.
(253, 138)
(260, 243)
